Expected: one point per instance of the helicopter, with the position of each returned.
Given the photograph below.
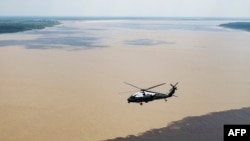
(144, 95)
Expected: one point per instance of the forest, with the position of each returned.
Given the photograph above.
(18, 25)
(238, 25)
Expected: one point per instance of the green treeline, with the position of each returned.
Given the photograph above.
(238, 25)
(11, 26)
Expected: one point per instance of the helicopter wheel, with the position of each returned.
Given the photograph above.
(165, 100)
(141, 103)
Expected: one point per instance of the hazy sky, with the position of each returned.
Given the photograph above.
(169, 8)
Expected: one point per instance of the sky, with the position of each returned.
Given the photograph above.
(126, 8)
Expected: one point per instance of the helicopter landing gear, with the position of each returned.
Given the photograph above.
(165, 100)
(141, 103)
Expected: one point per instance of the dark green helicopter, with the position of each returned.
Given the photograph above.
(144, 95)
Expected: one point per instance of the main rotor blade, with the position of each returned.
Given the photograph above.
(127, 92)
(132, 85)
(154, 86)
(174, 84)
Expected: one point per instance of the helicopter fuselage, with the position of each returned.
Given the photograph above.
(146, 96)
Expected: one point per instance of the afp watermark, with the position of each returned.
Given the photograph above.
(237, 132)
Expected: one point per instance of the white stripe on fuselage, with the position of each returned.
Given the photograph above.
(140, 94)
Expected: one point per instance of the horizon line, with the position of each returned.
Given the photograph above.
(129, 17)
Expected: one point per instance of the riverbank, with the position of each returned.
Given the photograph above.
(206, 128)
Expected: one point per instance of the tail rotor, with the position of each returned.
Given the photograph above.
(174, 86)
(172, 90)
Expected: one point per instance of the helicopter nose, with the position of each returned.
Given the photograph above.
(130, 99)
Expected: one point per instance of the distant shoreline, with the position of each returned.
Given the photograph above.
(13, 25)
(237, 25)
